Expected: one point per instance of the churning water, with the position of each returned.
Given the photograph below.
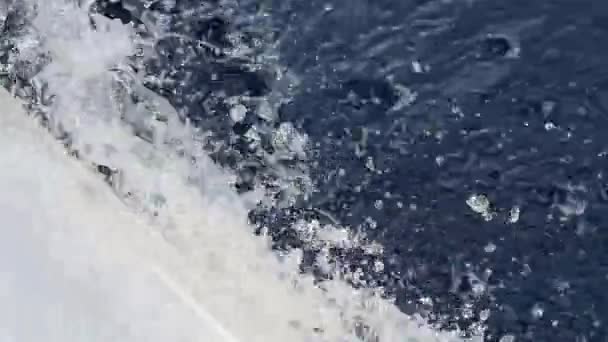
(303, 170)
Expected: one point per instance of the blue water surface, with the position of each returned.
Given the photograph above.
(411, 107)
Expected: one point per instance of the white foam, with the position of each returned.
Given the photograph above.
(173, 232)
(78, 265)
(70, 260)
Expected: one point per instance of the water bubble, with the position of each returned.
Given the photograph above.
(371, 223)
(378, 266)
(537, 311)
(550, 126)
(478, 203)
(484, 315)
(490, 248)
(378, 204)
(238, 112)
(439, 160)
(514, 214)
(426, 301)
(481, 205)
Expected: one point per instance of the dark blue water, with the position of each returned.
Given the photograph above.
(514, 107)
(411, 107)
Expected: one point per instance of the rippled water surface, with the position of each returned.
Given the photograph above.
(510, 103)
(411, 108)
(464, 136)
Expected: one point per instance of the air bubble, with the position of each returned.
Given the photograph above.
(238, 113)
(490, 248)
(378, 204)
(537, 311)
(514, 214)
(481, 205)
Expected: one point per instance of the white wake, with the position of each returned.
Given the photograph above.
(72, 263)
(165, 255)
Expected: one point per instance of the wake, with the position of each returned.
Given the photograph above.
(165, 253)
(72, 255)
